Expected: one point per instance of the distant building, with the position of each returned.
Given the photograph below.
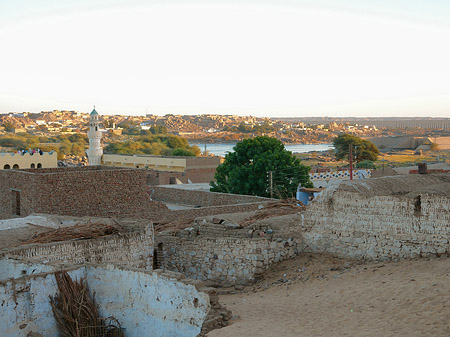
(77, 191)
(168, 169)
(95, 150)
(386, 144)
(11, 160)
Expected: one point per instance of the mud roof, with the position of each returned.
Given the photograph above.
(408, 185)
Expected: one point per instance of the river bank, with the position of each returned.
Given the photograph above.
(220, 149)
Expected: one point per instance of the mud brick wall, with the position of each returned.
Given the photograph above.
(195, 175)
(356, 225)
(25, 184)
(200, 174)
(130, 249)
(201, 198)
(223, 259)
(79, 192)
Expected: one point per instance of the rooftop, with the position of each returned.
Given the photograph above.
(189, 187)
(409, 185)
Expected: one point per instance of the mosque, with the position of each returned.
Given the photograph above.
(171, 169)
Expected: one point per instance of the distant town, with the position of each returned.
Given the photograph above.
(224, 128)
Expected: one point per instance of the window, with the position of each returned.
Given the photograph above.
(39, 165)
(6, 167)
(15, 167)
(32, 166)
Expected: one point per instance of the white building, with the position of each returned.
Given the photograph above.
(95, 150)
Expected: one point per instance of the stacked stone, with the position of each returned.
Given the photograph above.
(225, 257)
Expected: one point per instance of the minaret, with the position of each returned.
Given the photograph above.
(95, 150)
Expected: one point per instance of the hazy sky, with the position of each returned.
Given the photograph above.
(264, 58)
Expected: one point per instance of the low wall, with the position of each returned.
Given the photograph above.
(224, 259)
(201, 198)
(381, 218)
(10, 268)
(26, 306)
(130, 249)
(154, 304)
(146, 304)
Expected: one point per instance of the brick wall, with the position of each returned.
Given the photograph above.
(90, 191)
(129, 249)
(195, 175)
(201, 198)
(202, 162)
(356, 221)
(24, 183)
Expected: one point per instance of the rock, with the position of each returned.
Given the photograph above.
(217, 221)
(232, 226)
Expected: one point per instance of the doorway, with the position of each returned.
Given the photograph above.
(15, 202)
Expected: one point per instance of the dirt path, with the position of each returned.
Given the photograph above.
(323, 296)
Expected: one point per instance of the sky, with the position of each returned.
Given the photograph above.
(285, 58)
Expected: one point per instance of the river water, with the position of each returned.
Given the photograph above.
(220, 149)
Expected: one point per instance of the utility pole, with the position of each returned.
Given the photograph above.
(271, 183)
(350, 160)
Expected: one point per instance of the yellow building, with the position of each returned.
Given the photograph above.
(158, 163)
(11, 160)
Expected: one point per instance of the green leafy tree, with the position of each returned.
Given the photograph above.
(362, 149)
(175, 142)
(79, 138)
(245, 171)
(14, 142)
(167, 145)
(183, 152)
(78, 149)
(9, 127)
(366, 164)
(158, 129)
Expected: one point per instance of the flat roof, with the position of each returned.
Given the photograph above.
(189, 187)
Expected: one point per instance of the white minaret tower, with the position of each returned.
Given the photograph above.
(95, 150)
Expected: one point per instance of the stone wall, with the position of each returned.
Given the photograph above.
(129, 249)
(201, 198)
(391, 217)
(90, 191)
(224, 257)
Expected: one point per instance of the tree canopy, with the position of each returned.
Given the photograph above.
(168, 145)
(245, 171)
(362, 149)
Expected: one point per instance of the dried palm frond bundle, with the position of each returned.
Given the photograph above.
(88, 231)
(76, 313)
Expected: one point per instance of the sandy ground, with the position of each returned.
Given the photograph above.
(324, 296)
